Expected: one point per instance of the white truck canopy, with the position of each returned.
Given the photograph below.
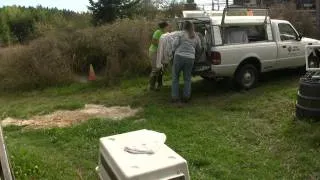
(239, 20)
(199, 14)
(234, 16)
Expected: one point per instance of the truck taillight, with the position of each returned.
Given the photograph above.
(216, 58)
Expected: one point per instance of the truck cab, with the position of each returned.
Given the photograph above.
(242, 43)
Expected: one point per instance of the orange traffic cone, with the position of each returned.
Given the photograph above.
(92, 74)
(249, 12)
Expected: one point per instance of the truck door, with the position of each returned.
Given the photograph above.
(290, 48)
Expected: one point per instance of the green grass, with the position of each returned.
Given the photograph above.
(222, 134)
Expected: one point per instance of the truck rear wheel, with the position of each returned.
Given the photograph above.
(246, 76)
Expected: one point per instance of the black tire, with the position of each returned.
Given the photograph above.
(246, 76)
(207, 78)
(307, 113)
(308, 100)
(309, 88)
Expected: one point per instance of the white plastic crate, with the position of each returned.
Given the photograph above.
(117, 164)
(310, 49)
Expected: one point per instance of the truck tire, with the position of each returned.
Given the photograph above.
(246, 76)
(308, 101)
(309, 88)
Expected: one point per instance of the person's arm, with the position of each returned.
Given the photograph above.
(160, 54)
(155, 41)
(156, 38)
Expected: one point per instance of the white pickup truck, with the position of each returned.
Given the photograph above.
(242, 43)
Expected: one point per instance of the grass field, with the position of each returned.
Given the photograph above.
(222, 134)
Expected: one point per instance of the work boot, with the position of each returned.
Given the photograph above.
(152, 83)
(186, 99)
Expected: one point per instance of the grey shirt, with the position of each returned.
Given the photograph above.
(188, 46)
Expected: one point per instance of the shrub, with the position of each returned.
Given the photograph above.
(40, 64)
(20, 24)
(117, 51)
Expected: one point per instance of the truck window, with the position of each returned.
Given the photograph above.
(235, 35)
(257, 33)
(245, 34)
(287, 32)
(208, 36)
(217, 35)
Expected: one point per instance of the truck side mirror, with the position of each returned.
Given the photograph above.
(300, 36)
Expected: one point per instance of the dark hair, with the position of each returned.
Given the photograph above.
(163, 25)
(188, 27)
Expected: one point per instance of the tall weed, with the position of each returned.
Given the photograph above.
(116, 51)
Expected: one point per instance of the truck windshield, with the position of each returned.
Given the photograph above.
(287, 32)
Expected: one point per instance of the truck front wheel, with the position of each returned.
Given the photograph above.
(246, 76)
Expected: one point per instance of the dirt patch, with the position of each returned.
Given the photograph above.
(68, 118)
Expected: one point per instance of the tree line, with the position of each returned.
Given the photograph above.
(22, 24)
(106, 11)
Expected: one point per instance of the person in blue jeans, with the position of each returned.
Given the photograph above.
(184, 57)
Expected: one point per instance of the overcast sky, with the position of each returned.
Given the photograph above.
(75, 5)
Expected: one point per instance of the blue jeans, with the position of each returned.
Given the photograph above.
(185, 65)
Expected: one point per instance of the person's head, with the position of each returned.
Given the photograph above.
(189, 28)
(170, 27)
(164, 26)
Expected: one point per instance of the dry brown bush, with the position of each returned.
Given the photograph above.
(40, 64)
(117, 50)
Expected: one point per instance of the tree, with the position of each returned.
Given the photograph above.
(22, 28)
(106, 11)
(168, 8)
(5, 37)
(174, 9)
